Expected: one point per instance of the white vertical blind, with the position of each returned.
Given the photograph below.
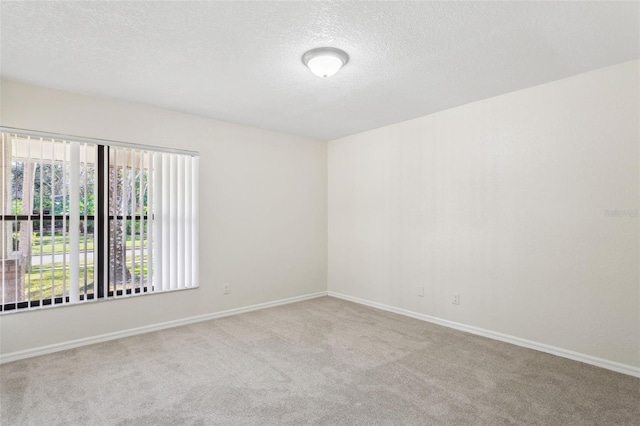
(103, 236)
(85, 221)
(123, 211)
(52, 209)
(148, 281)
(174, 234)
(188, 226)
(29, 224)
(65, 229)
(113, 210)
(41, 222)
(180, 230)
(46, 181)
(135, 222)
(157, 219)
(195, 217)
(74, 222)
(150, 218)
(140, 211)
(154, 204)
(166, 223)
(173, 220)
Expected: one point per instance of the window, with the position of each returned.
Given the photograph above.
(88, 219)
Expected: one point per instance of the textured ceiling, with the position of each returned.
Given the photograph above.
(240, 61)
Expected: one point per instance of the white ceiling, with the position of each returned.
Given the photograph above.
(240, 61)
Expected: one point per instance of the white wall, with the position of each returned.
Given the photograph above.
(503, 201)
(262, 220)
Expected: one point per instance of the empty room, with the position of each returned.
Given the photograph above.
(320, 213)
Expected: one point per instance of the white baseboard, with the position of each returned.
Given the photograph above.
(42, 350)
(576, 356)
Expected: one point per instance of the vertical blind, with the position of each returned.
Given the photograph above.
(85, 219)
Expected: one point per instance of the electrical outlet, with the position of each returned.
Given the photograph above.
(227, 289)
(421, 290)
(455, 299)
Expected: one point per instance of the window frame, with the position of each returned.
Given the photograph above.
(101, 219)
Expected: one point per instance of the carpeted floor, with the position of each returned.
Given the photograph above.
(324, 361)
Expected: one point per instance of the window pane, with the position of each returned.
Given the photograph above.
(128, 201)
(69, 209)
(37, 249)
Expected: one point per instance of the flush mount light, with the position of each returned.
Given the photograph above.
(325, 61)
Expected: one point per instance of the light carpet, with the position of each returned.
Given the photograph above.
(324, 362)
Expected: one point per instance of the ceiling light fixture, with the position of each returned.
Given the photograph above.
(325, 61)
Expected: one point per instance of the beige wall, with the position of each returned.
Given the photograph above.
(262, 219)
(502, 201)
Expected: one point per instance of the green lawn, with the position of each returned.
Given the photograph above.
(58, 244)
(52, 278)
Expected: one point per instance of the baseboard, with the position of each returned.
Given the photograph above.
(576, 356)
(43, 350)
